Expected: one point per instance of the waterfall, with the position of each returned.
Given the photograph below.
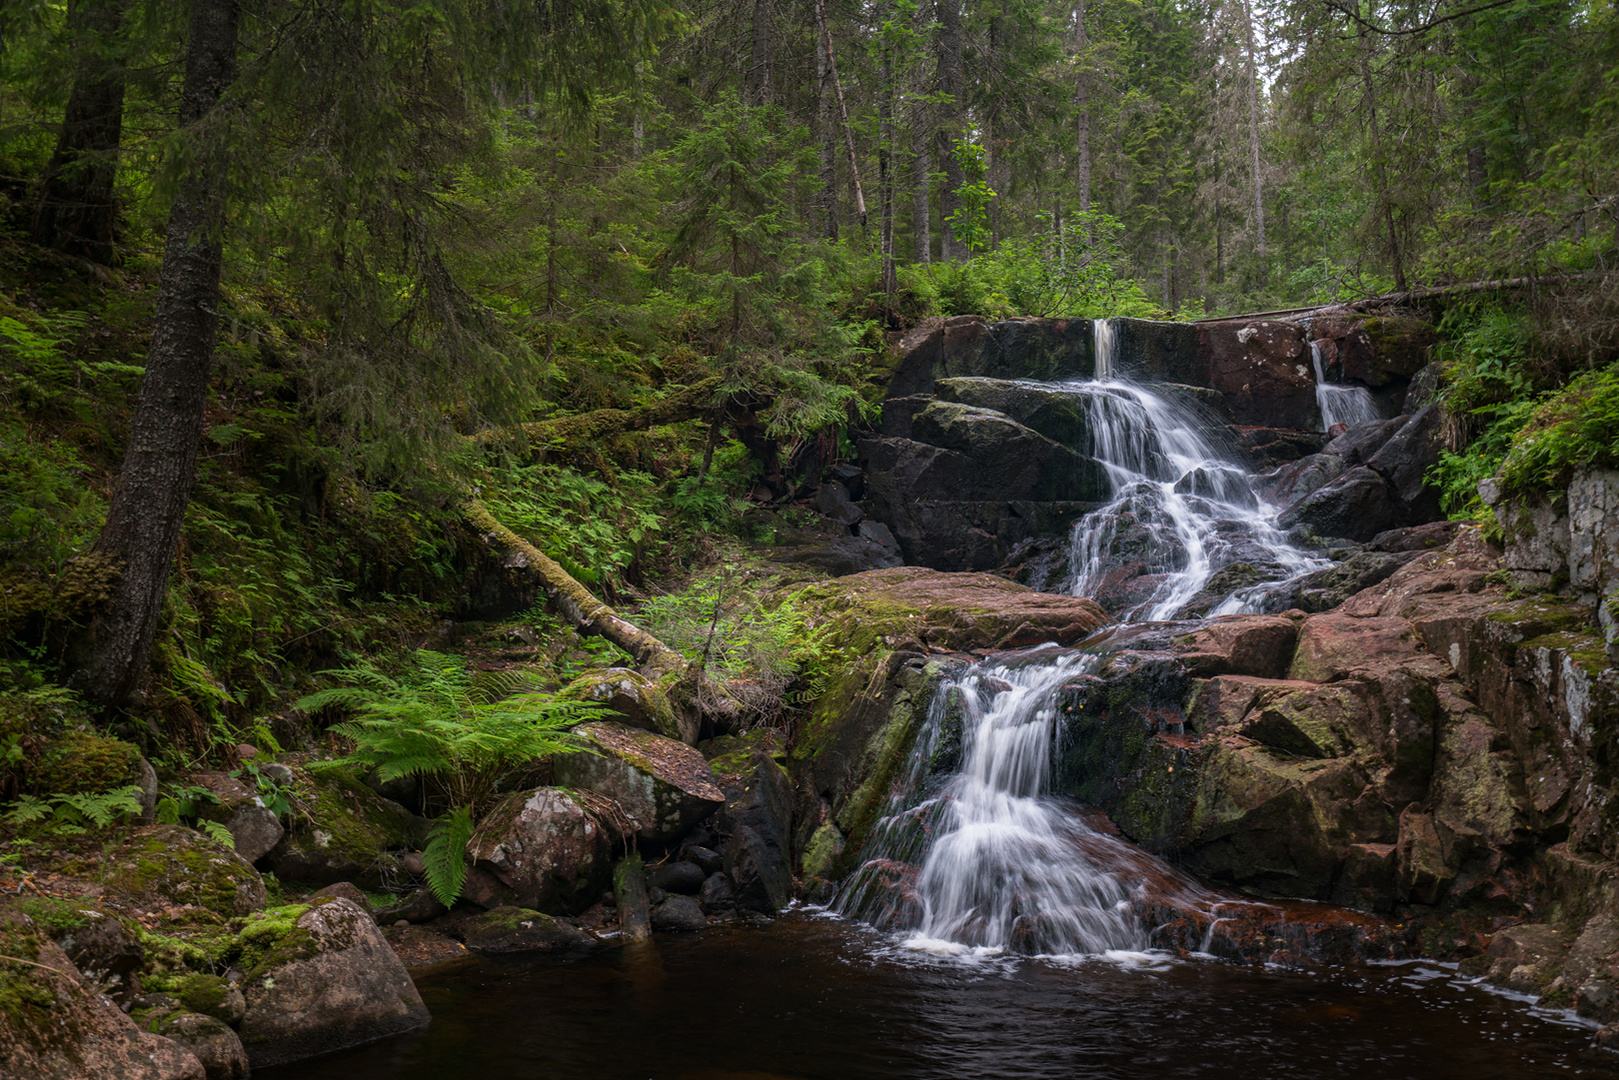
(1340, 404)
(1102, 332)
(1004, 867)
(1181, 509)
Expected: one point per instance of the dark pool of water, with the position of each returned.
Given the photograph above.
(813, 998)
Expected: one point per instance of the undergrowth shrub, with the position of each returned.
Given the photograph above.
(466, 737)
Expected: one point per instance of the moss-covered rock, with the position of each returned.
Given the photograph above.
(179, 869)
(634, 699)
(520, 930)
(664, 786)
(347, 833)
(82, 761)
(547, 848)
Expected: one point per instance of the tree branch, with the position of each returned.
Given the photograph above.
(1423, 29)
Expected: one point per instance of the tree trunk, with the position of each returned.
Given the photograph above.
(826, 134)
(843, 113)
(950, 127)
(148, 506)
(75, 211)
(921, 226)
(757, 86)
(1253, 130)
(885, 153)
(1082, 111)
(1379, 168)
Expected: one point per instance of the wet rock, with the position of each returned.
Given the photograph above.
(1423, 871)
(1376, 350)
(634, 700)
(1356, 506)
(758, 814)
(520, 930)
(350, 834)
(708, 860)
(1263, 370)
(545, 847)
(1269, 447)
(1260, 645)
(1062, 417)
(1359, 442)
(1405, 460)
(716, 895)
(417, 906)
(1369, 878)
(331, 981)
(1046, 349)
(1416, 538)
(1293, 481)
(58, 1028)
(215, 1045)
(898, 412)
(1328, 588)
(1525, 958)
(684, 878)
(664, 786)
(679, 913)
(1009, 460)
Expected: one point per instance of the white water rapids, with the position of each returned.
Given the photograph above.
(988, 862)
(1340, 404)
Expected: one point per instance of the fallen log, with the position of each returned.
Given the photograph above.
(691, 693)
(591, 427)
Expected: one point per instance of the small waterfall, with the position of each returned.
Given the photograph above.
(1181, 510)
(1340, 404)
(1102, 331)
(1003, 867)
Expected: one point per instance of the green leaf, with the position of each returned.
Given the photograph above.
(446, 855)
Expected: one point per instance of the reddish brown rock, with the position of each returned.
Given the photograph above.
(1257, 645)
(663, 786)
(1263, 369)
(1331, 646)
(545, 848)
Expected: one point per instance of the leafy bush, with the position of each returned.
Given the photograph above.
(1457, 475)
(593, 530)
(465, 740)
(1579, 425)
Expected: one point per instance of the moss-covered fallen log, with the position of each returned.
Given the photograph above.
(587, 429)
(692, 695)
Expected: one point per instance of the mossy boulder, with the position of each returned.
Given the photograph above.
(347, 833)
(171, 866)
(56, 1026)
(322, 978)
(547, 848)
(521, 930)
(634, 699)
(213, 1042)
(82, 761)
(664, 786)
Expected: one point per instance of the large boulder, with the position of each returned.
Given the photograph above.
(1259, 645)
(758, 817)
(240, 808)
(1405, 459)
(171, 866)
(663, 786)
(321, 978)
(213, 1042)
(546, 848)
(1012, 349)
(347, 831)
(521, 930)
(1057, 415)
(1356, 506)
(633, 699)
(1263, 370)
(1011, 461)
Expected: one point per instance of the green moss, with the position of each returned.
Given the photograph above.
(187, 868)
(360, 825)
(80, 761)
(821, 853)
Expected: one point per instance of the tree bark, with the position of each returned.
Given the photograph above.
(693, 693)
(921, 226)
(1082, 111)
(826, 134)
(75, 212)
(1387, 205)
(843, 112)
(885, 153)
(148, 506)
(760, 59)
(950, 125)
(1253, 130)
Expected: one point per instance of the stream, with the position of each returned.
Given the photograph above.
(995, 930)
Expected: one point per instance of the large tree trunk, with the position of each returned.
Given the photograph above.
(951, 112)
(921, 226)
(757, 86)
(75, 211)
(885, 153)
(826, 129)
(1082, 113)
(1253, 130)
(160, 463)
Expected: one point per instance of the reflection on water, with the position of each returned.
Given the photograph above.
(817, 998)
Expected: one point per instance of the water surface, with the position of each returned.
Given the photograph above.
(811, 997)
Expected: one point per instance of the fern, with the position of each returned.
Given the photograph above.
(28, 810)
(446, 855)
(71, 814)
(218, 833)
(434, 722)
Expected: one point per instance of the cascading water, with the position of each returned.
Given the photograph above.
(1006, 868)
(985, 860)
(1340, 404)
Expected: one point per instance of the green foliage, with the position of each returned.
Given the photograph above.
(75, 813)
(435, 721)
(445, 855)
(1488, 360)
(1457, 475)
(592, 529)
(47, 510)
(1578, 425)
(970, 219)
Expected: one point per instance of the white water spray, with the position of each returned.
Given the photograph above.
(1102, 331)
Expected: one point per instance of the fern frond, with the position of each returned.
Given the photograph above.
(218, 832)
(446, 855)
